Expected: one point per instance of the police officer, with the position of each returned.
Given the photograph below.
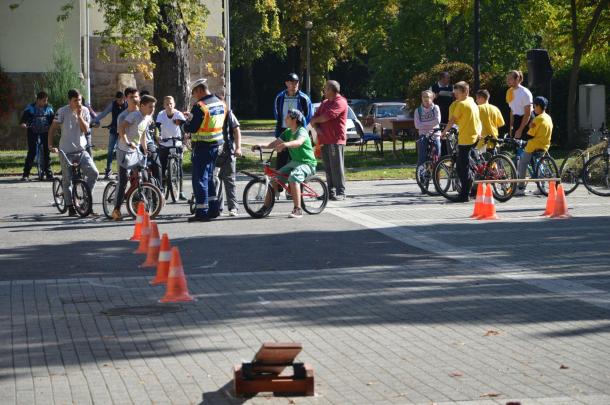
(205, 122)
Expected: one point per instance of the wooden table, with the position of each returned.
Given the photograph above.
(398, 125)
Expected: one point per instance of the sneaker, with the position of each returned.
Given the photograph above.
(519, 193)
(25, 178)
(116, 215)
(49, 176)
(340, 197)
(72, 211)
(182, 197)
(233, 212)
(197, 218)
(296, 213)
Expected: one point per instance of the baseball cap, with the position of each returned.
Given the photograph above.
(197, 83)
(292, 77)
(541, 101)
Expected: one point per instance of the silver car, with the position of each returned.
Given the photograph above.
(354, 127)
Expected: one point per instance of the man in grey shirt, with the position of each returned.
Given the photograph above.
(74, 120)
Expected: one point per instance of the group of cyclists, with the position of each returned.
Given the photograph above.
(476, 123)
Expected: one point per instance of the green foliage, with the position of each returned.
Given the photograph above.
(7, 95)
(422, 81)
(62, 77)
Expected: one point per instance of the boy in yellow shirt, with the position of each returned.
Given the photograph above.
(464, 113)
(491, 118)
(541, 129)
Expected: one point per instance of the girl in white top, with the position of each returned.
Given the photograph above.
(520, 101)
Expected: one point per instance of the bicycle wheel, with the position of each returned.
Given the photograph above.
(446, 181)
(314, 195)
(500, 167)
(109, 198)
(571, 170)
(423, 176)
(173, 179)
(192, 204)
(58, 196)
(81, 198)
(546, 168)
(259, 198)
(150, 195)
(596, 175)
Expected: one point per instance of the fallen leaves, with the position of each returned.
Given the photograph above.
(563, 367)
(456, 374)
(491, 332)
(490, 395)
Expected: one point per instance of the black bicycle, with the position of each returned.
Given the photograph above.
(424, 172)
(596, 172)
(82, 199)
(572, 168)
(541, 166)
(173, 172)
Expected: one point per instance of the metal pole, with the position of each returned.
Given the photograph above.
(227, 54)
(308, 63)
(87, 56)
(477, 44)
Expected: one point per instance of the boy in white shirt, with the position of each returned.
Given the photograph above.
(169, 121)
(520, 101)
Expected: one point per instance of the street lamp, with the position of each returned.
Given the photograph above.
(308, 27)
(477, 44)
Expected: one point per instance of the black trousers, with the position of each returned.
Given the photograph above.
(155, 165)
(29, 159)
(463, 172)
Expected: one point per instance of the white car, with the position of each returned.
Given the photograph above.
(354, 127)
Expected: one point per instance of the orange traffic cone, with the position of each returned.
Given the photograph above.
(561, 204)
(137, 231)
(489, 205)
(478, 203)
(152, 256)
(145, 236)
(165, 255)
(176, 282)
(550, 201)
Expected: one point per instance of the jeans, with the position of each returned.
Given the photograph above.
(29, 159)
(524, 161)
(204, 161)
(88, 170)
(155, 165)
(422, 149)
(333, 156)
(113, 139)
(463, 172)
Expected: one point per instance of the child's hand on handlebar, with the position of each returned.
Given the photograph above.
(255, 148)
(280, 147)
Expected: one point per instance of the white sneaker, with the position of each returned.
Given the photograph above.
(519, 193)
(296, 213)
(233, 213)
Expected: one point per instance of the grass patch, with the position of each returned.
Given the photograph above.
(267, 125)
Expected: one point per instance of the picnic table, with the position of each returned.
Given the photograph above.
(401, 128)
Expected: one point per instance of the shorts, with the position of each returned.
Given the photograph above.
(297, 171)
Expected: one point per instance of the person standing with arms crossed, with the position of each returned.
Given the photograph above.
(117, 106)
(205, 122)
(520, 101)
(465, 114)
(291, 98)
(37, 118)
(330, 120)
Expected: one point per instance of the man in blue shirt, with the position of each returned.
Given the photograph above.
(37, 118)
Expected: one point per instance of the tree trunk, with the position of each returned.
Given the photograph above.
(172, 66)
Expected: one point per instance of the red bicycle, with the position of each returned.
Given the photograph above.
(260, 192)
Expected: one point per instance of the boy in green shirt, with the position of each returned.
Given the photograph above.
(302, 162)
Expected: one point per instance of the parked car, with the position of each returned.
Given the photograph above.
(359, 105)
(354, 127)
(379, 115)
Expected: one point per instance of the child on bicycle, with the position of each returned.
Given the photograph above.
(427, 119)
(169, 121)
(491, 119)
(541, 129)
(132, 135)
(302, 162)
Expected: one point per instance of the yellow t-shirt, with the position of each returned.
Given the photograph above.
(540, 130)
(466, 115)
(491, 120)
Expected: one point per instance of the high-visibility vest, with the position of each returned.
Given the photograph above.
(214, 113)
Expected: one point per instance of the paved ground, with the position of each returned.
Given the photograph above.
(397, 299)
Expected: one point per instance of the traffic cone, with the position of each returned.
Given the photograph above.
(550, 201)
(165, 255)
(478, 203)
(137, 230)
(561, 204)
(145, 236)
(489, 205)
(152, 255)
(176, 282)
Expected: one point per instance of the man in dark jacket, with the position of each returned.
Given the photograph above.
(37, 118)
(291, 98)
(115, 108)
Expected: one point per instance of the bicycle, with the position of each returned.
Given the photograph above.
(260, 195)
(596, 171)
(492, 166)
(138, 191)
(173, 175)
(542, 165)
(425, 171)
(82, 200)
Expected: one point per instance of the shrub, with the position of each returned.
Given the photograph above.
(7, 95)
(457, 70)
